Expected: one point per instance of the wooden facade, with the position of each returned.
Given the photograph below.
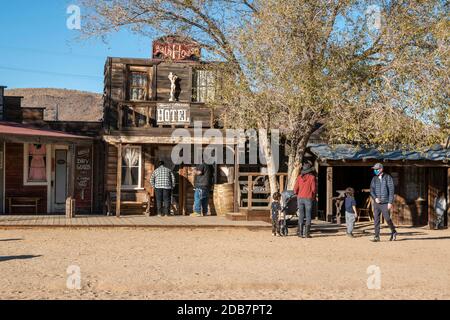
(110, 172)
(142, 110)
(67, 163)
(416, 186)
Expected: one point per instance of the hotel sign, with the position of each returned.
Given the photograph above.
(172, 113)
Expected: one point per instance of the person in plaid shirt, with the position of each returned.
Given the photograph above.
(163, 181)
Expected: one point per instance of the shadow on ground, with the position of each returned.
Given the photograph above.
(21, 257)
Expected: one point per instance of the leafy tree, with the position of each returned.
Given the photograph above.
(372, 72)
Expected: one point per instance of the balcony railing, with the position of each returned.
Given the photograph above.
(133, 114)
(136, 115)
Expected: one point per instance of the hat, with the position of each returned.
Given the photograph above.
(307, 168)
(378, 166)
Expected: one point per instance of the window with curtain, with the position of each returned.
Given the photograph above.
(203, 86)
(131, 167)
(138, 86)
(36, 163)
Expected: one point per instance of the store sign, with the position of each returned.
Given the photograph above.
(173, 113)
(176, 51)
(83, 178)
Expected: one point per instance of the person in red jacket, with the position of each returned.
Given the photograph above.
(305, 188)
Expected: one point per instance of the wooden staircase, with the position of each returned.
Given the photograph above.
(253, 214)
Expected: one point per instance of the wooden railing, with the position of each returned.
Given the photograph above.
(135, 116)
(255, 189)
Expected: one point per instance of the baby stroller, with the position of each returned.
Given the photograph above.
(288, 211)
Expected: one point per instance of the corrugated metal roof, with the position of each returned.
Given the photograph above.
(18, 129)
(351, 152)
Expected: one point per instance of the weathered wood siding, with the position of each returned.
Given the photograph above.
(33, 115)
(114, 89)
(415, 189)
(2, 165)
(12, 109)
(111, 168)
(14, 180)
(184, 82)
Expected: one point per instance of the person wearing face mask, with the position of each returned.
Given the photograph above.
(382, 193)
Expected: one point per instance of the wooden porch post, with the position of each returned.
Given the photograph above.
(236, 179)
(316, 202)
(329, 194)
(119, 178)
(249, 192)
(70, 207)
(448, 196)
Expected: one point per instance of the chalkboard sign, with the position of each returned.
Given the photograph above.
(83, 179)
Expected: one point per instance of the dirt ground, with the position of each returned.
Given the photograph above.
(222, 264)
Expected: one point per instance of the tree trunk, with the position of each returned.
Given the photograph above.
(296, 161)
(272, 168)
(296, 155)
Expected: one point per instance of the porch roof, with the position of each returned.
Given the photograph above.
(14, 131)
(350, 152)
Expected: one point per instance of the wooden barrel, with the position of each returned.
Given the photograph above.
(224, 198)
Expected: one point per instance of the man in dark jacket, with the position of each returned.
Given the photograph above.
(202, 186)
(382, 193)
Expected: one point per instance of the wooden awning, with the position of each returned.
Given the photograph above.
(17, 132)
(165, 136)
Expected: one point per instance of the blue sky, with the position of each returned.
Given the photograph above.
(37, 50)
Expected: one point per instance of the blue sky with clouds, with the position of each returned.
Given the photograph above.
(37, 50)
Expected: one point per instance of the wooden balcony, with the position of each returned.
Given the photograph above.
(141, 115)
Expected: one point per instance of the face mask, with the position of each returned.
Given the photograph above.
(377, 172)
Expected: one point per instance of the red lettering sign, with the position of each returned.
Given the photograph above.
(176, 51)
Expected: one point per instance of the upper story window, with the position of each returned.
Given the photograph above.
(138, 86)
(203, 86)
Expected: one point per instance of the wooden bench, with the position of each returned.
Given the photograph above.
(23, 202)
(139, 202)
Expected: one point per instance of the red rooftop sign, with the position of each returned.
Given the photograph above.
(174, 49)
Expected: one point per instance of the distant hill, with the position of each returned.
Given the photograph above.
(62, 104)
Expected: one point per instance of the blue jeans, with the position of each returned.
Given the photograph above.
(163, 201)
(350, 221)
(201, 199)
(305, 207)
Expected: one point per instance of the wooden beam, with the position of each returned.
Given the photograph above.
(392, 163)
(249, 192)
(236, 179)
(70, 205)
(119, 179)
(316, 202)
(281, 183)
(430, 209)
(164, 136)
(329, 193)
(119, 116)
(448, 195)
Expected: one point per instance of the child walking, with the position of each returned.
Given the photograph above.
(276, 213)
(350, 210)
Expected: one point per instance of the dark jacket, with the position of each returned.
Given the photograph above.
(205, 179)
(383, 188)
